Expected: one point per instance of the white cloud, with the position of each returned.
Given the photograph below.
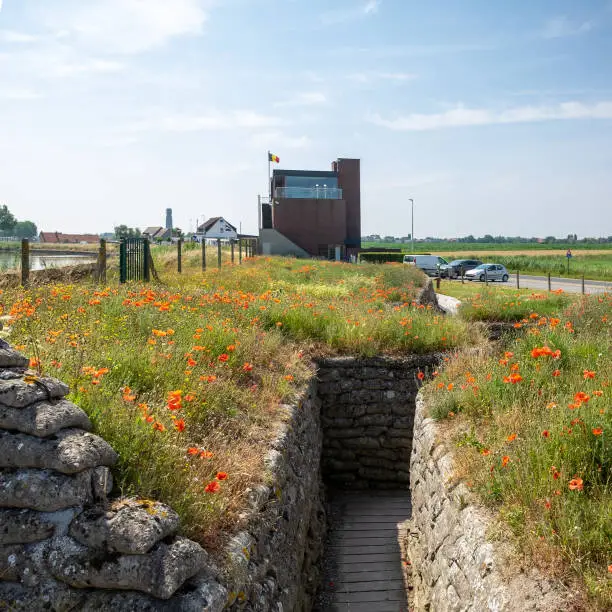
(11, 36)
(17, 93)
(368, 77)
(215, 120)
(277, 141)
(127, 26)
(358, 11)
(311, 98)
(561, 27)
(461, 116)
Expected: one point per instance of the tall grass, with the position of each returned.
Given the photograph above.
(183, 378)
(532, 427)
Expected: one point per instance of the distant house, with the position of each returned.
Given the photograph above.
(157, 233)
(217, 227)
(60, 238)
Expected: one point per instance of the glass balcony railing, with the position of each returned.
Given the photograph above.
(309, 193)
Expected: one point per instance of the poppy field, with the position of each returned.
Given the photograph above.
(185, 378)
(532, 425)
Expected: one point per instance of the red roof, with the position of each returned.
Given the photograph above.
(59, 237)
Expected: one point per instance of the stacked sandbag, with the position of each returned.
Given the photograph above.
(63, 544)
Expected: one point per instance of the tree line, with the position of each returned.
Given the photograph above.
(10, 226)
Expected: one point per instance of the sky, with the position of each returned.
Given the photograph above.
(494, 117)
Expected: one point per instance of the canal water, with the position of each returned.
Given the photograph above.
(11, 260)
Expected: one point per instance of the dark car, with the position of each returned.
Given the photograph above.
(458, 267)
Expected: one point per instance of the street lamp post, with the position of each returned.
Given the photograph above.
(412, 229)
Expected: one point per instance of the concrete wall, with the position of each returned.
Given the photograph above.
(273, 242)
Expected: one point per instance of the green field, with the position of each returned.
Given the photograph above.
(448, 246)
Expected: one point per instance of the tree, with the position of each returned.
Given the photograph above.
(25, 229)
(123, 231)
(7, 219)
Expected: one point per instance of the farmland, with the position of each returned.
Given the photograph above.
(594, 263)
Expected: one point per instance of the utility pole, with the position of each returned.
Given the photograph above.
(412, 229)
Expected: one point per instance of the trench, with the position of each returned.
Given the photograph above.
(367, 419)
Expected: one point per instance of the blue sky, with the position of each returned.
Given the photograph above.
(495, 117)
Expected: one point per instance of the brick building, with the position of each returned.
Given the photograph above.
(313, 213)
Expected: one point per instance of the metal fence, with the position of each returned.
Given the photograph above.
(134, 259)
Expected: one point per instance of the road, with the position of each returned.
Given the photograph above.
(570, 285)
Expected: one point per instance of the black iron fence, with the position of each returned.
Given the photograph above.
(134, 259)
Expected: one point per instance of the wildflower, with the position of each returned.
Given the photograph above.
(505, 460)
(511, 437)
(588, 374)
(576, 484)
(551, 405)
(247, 367)
(450, 386)
(34, 362)
(420, 375)
(288, 377)
(597, 431)
(157, 426)
(179, 425)
(221, 475)
(191, 362)
(597, 393)
(224, 357)
(547, 504)
(513, 378)
(192, 450)
(546, 433)
(556, 373)
(485, 451)
(582, 397)
(212, 487)
(204, 454)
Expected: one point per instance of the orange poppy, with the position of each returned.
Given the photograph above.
(597, 431)
(588, 374)
(179, 425)
(157, 426)
(505, 460)
(546, 433)
(224, 357)
(221, 475)
(247, 367)
(576, 484)
(511, 437)
(192, 450)
(420, 375)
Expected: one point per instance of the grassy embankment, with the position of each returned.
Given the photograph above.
(532, 426)
(185, 379)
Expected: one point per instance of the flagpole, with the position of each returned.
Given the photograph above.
(269, 181)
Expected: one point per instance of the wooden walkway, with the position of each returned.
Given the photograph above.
(363, 565)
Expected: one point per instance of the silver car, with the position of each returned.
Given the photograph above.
(488, 272)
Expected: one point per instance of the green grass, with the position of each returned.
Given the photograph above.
(532, 428)
(229, 346)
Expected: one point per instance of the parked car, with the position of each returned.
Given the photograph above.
(430, 264)
(490, 272)
(458, 267)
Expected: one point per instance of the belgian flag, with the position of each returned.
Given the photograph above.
(273, 158)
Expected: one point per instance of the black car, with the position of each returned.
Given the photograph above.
(458, 267)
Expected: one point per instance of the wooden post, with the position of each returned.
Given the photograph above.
(146, 272)
(232, 248)
(549, 281)
(25, 262)
(218, 252)
(438, 282)
(203, 254)
(518, 276)
(239, 250)
(102, 261)
(179, 252)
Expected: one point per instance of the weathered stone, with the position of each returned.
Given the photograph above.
(159, 573)
(129, 527)
(11, 557)
(370, 443)
(10, 358)
(48, 596)
(344, 432)
(44, 418)
(18, 393)
(69, 452)
(101, 483)
(44, 490)
(23, 526)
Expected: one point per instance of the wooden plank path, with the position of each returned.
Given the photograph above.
(363, 565)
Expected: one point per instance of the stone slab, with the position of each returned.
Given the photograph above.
(18, 393)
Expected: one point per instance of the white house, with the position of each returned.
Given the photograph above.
(217, 227)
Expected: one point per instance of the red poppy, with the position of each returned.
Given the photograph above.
(192, 450)
(224, 357)
(212, 487)
(179, 425)
(247, 367)
(221, 475)
(588, 374)
(157, 426)
(546, 433)
(597, 431)
(556, 373)
(420, 375)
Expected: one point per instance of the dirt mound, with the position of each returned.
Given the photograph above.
(68, 274)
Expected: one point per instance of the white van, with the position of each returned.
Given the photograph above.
(430, 264)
